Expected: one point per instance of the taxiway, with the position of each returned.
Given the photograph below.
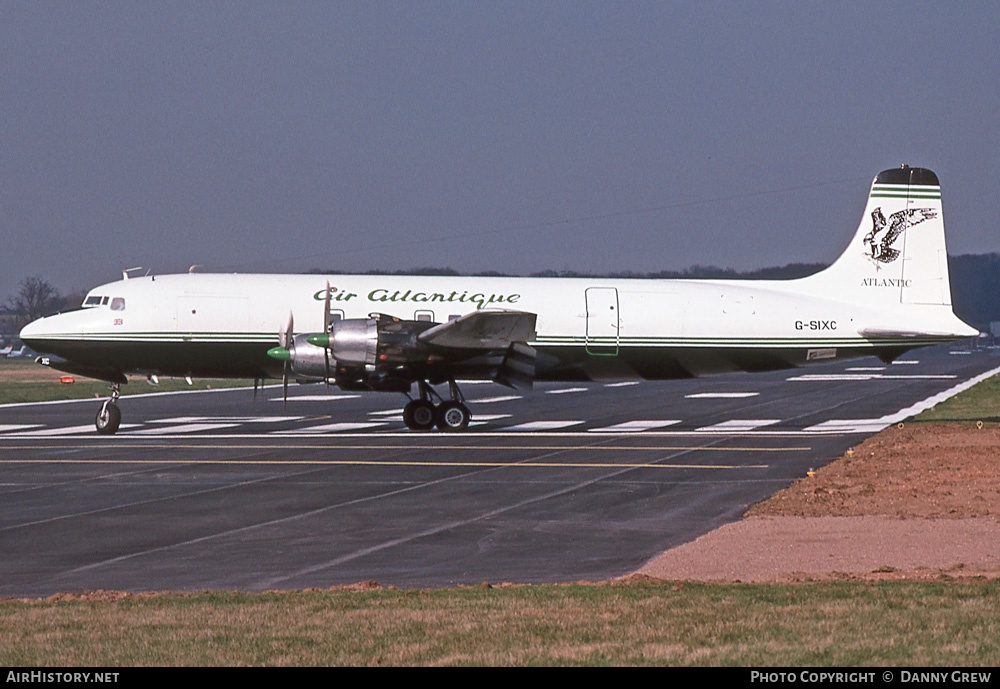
(218, 491)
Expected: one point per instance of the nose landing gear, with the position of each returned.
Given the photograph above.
(422, 414)
(109, 417)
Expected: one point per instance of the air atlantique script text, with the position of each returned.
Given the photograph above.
(480, 299)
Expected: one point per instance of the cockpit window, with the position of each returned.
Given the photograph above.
(118, 304)
(104, 301)
(92, 301)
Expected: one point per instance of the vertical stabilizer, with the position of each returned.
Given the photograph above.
(898, 253)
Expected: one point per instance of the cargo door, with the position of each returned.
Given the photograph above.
(602, 321)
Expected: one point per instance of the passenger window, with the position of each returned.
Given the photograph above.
(118, 304)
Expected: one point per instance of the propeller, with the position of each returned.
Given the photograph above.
(287, 341)
(284, 352)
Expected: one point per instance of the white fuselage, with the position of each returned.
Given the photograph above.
(615, 328)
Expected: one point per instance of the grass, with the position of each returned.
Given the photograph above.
(22, 380)
(828, 624)
(981, 402)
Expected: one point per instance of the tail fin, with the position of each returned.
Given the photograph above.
(898, 253)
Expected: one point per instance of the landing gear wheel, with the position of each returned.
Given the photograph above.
(108, 419)
(418, 415)
(452, 416)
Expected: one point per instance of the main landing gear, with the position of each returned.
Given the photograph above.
(422, 414)
(110, 417)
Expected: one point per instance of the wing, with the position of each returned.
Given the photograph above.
(482, 330)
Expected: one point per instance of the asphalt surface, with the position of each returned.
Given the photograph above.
(568, 482)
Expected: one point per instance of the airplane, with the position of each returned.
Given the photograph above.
(888, 293)
(9, 352)
(18, 353)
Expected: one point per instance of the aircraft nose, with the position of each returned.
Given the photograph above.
(30, 330)
(37, 332)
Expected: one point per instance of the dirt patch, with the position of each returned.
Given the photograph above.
(25, 370)
(922, 501)
(935, 471)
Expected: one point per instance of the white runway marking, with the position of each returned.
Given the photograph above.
(336, 427)
(865, 368)
(636, 426)
(542, 425)
(904, 363)
(736, 425)
(622, 384)
(848, 426)
(76, 430)
(185, 428)
(486, 418)
(565, 390)
(487, 400)
(4, 428)
(399, 412)
(315, 398)
(228, 419)
(135, 396)
(866, 376)
(720, 395)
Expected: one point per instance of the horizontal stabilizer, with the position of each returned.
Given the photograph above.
(886, 333)
(882, 333)
(482, 330)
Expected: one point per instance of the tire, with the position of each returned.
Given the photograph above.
(452, 416)
(108, 419)
(418, 415)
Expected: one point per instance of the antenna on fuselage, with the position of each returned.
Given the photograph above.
(192, 268)
(125, 273)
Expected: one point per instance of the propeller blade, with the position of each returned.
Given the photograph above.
(327, 324)
(284, 386)
(327, 320)
(285, 351)
(326, 370)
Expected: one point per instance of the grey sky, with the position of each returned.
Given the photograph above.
(511, 136)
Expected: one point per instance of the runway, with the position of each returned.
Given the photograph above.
(571, 481)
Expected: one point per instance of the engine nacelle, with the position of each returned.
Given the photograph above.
(354, 342)
(362, 351)
(306, 359)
